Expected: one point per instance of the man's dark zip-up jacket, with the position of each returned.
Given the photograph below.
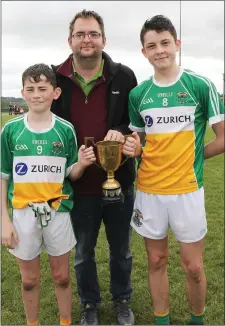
(106, 107)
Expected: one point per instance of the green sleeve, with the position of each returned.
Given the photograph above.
(6, 154)
(136, 121)
(72, 150)
(211, 102)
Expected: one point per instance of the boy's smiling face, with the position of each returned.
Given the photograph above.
(160, 49)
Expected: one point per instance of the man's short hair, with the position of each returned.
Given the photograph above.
(85, 14)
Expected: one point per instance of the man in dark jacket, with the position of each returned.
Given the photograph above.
(95, 100)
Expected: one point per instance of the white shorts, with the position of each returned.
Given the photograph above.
(184, 214)
(57, 237)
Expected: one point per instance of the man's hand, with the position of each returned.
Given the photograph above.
(132, 146)
(115, 135)
(86, 156)
(9, 234)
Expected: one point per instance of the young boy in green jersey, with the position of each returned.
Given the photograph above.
(39, 156)
(170, 111)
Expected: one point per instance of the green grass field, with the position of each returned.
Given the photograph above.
(12, 307)
(5, 117)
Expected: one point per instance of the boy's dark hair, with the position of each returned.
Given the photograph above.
(34, 73)
(84, 14)
(159, 24)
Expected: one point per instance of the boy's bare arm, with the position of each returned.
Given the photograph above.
(9, 234)
(76, 172)
(5, 214)
(216, 146)
(86, 157)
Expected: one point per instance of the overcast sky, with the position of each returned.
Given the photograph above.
(37, 31)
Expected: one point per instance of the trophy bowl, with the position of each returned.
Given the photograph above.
(109, 154)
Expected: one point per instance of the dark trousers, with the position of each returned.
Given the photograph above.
(87, 215)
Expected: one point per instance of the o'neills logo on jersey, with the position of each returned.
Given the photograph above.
(46, 168)
(169, 94)
(174, 119)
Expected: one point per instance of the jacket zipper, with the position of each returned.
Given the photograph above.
(86, 97)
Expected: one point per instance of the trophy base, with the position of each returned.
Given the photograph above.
(112, 196)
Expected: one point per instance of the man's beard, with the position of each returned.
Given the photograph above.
(87, 61)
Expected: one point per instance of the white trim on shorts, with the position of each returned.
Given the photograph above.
(57, 237)
(185, 214)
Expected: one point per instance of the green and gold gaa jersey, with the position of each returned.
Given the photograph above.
(37, 163)
(174, 119)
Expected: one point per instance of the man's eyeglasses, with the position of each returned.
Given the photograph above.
(81, 36)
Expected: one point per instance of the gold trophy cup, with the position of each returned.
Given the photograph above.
(109, 154)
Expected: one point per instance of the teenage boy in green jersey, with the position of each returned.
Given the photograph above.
(170, 111)
(39, 154)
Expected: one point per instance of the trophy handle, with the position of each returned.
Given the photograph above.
(86, 140)
(129, 135)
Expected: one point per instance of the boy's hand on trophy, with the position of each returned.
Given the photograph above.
(86, 156)
(132, 145)
(115, 135)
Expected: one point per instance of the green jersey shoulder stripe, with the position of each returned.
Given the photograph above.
(141, 91)
(142, 100)
(68, 124)
(212, 91)
(21, 133)
(14, 120)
